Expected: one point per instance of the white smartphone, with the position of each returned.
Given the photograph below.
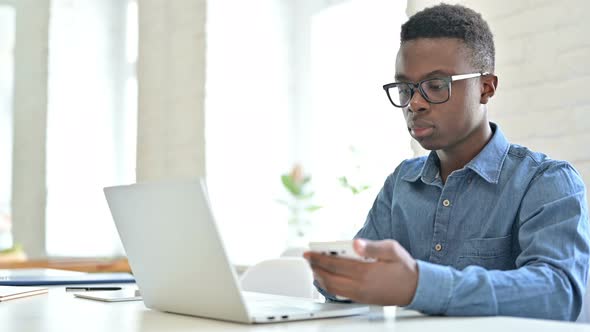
(342, 249)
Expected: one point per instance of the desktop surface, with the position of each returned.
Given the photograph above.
(61, 311)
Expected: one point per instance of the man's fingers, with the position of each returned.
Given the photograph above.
(339, 266)
(337, 285)
(385, 250)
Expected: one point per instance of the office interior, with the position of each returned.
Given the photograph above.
(242, 93)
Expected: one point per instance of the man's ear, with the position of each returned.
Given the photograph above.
(488, 87)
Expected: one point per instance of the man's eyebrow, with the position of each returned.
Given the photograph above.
(438, 72)
(400, 77)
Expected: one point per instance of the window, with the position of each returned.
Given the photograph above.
(91, 122)
(299, 83)
(7, 24)
(247, 123)
(353, 46)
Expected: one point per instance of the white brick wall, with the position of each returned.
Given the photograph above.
(543, 65)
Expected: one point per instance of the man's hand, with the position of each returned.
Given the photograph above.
(390, 280)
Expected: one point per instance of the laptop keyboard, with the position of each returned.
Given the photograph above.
(269, 308)
(294, 308)
(262, 303)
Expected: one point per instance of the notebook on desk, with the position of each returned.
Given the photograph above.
(180, 263)
(39, 277)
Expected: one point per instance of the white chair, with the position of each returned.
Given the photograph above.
(294, 252)
(290, 276)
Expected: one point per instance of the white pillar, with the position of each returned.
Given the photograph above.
(171, 82)
(30, 120)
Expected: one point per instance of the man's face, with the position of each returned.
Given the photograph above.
(447, 125)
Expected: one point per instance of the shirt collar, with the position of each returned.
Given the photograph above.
(487, 164)
(427, 170)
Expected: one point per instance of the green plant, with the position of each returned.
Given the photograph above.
(300, 202)
(16, 248)
(346, 182)
(355, 189)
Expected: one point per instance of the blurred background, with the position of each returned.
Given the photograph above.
(277, 103)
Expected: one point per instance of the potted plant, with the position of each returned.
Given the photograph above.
(300, 205)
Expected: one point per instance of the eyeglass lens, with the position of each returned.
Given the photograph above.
(434, 90)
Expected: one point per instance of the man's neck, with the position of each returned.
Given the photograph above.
(459, 155)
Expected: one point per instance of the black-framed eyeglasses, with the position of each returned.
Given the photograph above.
(434, 90)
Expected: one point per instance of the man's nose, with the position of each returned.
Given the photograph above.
(418, 103)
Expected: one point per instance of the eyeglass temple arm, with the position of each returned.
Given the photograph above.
(466, 76)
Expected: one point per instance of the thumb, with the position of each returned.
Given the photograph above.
(385, 250)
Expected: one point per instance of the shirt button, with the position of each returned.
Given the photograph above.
(438, 247)
(446, 202)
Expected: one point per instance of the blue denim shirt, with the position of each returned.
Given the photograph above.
(505, 235)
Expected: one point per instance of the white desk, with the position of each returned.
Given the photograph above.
(59, 311)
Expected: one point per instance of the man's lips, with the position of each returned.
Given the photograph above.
(421, 130)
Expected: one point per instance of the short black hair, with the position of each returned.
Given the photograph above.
(454, 21)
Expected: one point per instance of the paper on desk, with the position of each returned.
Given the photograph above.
(111, 296)
(15, 292)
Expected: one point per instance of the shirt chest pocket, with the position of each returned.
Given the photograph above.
(489, 253)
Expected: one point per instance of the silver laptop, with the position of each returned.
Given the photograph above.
(180, 264)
